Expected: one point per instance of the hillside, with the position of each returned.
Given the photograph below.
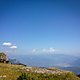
(12, 72)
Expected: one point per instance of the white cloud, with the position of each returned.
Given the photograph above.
(13, 47)
(34, 50)
(10, 45)
(51, 49)
(7, 44)
(48, 50)
(43, 51)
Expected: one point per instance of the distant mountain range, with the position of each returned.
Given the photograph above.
(48, 60)
(76, 63)
(67, 62)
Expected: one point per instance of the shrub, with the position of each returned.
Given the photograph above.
(23, 76)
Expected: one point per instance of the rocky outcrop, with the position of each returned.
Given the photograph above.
(3, 58)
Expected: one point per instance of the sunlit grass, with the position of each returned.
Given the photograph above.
(12, 72)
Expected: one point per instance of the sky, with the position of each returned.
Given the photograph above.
(40, 26)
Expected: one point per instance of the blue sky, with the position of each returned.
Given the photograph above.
(43, 25)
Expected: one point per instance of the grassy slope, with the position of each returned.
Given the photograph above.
(13, 71)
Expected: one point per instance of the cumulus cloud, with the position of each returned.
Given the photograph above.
(10, 45)
(7, 44)
(13, 47)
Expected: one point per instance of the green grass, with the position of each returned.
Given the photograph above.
(12, 72)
